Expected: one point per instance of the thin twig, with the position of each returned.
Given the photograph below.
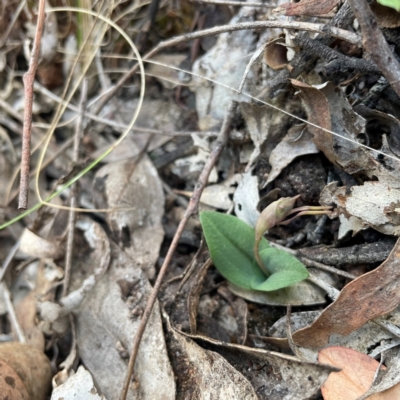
(375, 43)
(191, 209)
(74, 190)
(29, 79)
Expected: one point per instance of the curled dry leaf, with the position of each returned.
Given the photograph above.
(275, 54)
(328, 108)
(35, 246)
(369, 296)
(136, 188)
(298, 142)
(25, 372)
(307, 7)
(106, 324)
(355, 378)
(374, 204)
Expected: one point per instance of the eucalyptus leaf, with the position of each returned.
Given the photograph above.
(231, 243)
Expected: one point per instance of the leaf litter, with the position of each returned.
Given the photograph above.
(191, 344)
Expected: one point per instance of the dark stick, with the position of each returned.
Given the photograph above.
(29, 79)
(191, 209)
(304, 60)
(375, 43)
(337, 62)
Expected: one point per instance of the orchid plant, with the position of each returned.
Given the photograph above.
(244, 257)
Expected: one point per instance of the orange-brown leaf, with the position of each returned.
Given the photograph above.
(355, 378)
(369, 296)
(25, 372)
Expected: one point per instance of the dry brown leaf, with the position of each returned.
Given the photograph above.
(275, 54)
(25, 372)
(307, 7)
(355, 378)
(369, 296)
(328, 108)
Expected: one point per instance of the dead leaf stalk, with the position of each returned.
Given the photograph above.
(220, 143)
(29, 79)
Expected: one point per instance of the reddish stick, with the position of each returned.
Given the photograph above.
(29, 79)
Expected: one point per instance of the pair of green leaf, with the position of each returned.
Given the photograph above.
(231, 243)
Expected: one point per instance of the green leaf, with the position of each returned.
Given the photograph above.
(231, 243)
(391, 3)
(285, 269)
